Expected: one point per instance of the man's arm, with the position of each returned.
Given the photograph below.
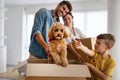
(41, 41)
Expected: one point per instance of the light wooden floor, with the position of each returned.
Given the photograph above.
(11, 74)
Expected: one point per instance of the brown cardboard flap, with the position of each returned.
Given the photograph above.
(46, 61)
(89, 42)
(35, 60)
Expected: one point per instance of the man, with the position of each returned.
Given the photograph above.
(44, 18)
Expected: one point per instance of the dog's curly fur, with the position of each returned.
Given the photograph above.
(57, 44)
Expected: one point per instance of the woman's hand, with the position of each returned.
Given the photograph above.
(79, 58)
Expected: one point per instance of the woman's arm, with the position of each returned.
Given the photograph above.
(72, 49)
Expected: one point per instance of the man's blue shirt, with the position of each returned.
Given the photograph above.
(42, 22)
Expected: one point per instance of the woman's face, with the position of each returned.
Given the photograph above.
(68, 20)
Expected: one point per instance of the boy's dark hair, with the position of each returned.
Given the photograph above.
(69, 5)
(109, 39)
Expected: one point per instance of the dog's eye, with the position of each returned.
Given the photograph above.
(61, 30)
(56, 30)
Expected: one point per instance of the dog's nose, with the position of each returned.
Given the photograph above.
(59, 35)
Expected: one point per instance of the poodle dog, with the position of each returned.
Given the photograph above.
(57, 43)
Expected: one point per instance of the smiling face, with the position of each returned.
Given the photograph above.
(100, 46)
(68, 20)
(62, 10)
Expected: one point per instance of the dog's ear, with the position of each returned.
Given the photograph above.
(66, 34)
(50, 34)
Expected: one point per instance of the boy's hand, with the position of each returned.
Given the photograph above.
(77, 44)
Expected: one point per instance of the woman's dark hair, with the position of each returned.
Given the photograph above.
(69, 5)
(69, 14)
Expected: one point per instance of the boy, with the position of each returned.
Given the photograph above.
(100, 62)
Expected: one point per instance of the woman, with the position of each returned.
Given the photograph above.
(74, 33)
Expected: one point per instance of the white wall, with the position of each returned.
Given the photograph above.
(114, 28)
(77, 6)
(92, 5)
(13, 31)
(15, 25)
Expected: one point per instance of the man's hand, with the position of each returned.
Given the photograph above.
(47, 51)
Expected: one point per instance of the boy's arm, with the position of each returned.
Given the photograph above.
(79, 45)
(99, 73)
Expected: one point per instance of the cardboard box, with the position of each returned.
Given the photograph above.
(89, 42)
(40, 69)
(37, 71)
